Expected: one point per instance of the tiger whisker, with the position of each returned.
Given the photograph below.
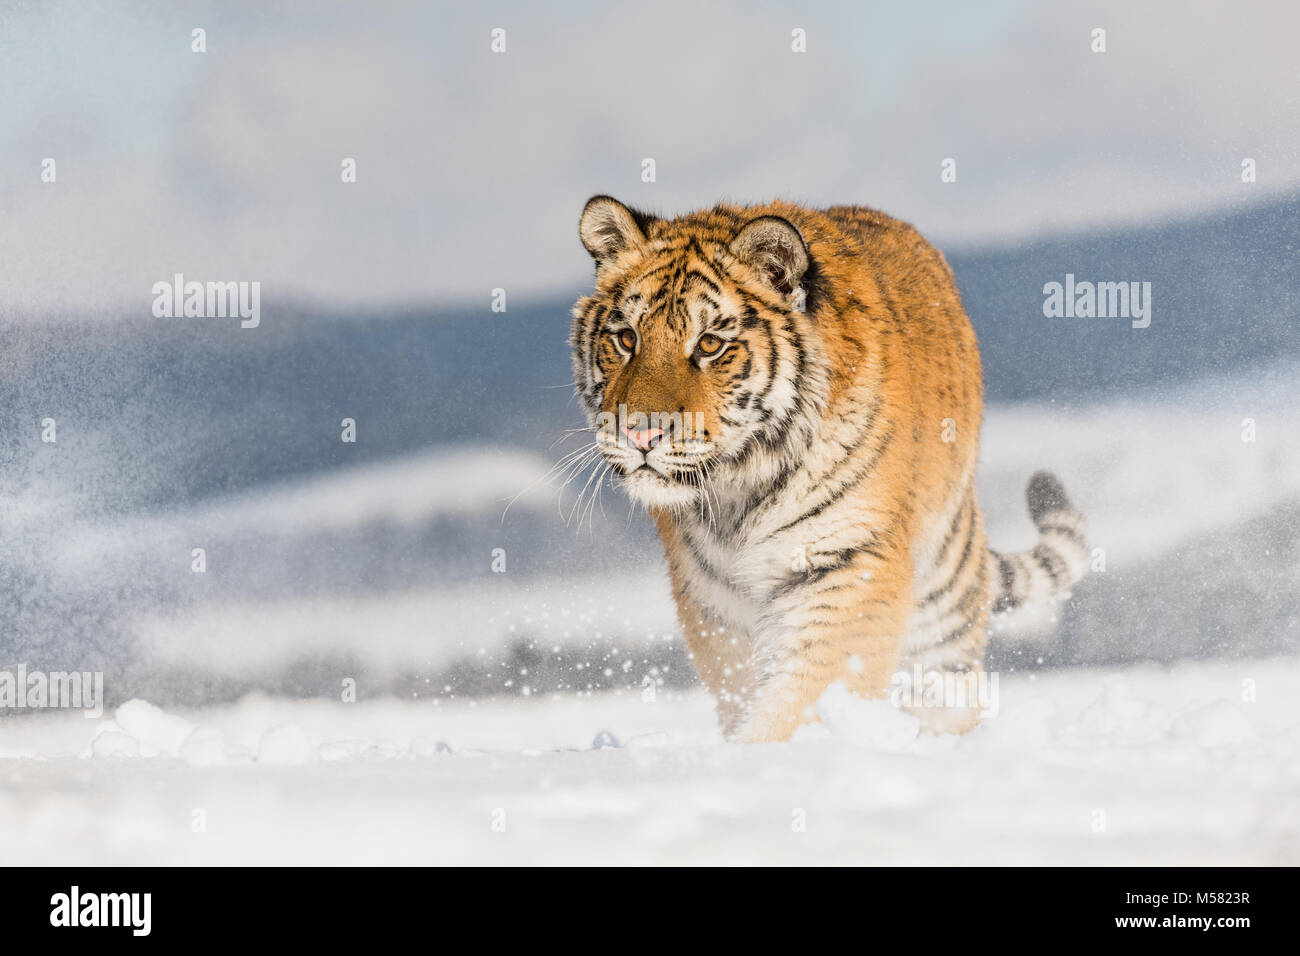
(578, 503)
(555, 469)
(575, 470)
(568, 433)
(593, 499)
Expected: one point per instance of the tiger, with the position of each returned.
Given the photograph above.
(795, 397)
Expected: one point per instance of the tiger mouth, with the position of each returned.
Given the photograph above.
(648, 470)
(646, 467)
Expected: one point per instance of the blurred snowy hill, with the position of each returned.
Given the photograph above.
(375, 559)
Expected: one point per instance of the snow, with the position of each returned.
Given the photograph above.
(286, 745)
(873, 724)
(1199, 763)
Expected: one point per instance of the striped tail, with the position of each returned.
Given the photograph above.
(1057, 563)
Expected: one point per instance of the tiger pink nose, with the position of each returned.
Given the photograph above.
(644, 438)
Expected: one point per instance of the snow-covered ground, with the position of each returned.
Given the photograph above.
(1195, 764)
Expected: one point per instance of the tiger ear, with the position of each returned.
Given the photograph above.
(607, 227)
(773, 247)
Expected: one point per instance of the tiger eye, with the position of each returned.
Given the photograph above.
(627, 339)
(709, 345)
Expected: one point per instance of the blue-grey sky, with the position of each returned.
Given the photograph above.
(473, 166)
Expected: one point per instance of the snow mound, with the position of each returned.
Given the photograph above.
(873, 724)
(157, 732)
(1217, 724)
(286, 745)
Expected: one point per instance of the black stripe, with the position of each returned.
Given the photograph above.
(961, 562)
(1048, 560)
(823, 607)
(961, 631)
(839, 560)
(840, 490)
(696, 275)
(1071, 533)
(810, 642)
(1007, 573)
(844, 556)
(953, 529)
(773, 361)
(703, 563)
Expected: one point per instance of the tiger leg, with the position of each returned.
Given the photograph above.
(845, 626)
(719, 653)
(942, 674)
(951, 701)
(721, 657)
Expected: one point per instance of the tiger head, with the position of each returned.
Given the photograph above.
(696, 356)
